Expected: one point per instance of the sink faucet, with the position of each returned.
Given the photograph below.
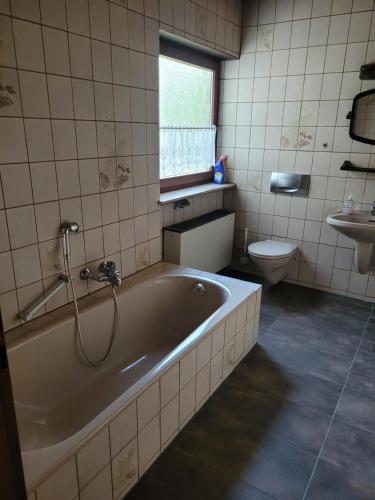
(107, 273)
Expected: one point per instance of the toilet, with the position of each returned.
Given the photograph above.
(273, 258)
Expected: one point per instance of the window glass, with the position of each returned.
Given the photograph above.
(187, 133)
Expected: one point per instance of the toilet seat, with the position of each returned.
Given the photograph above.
(269, 249)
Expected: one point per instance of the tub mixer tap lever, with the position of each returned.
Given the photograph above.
(107, 273)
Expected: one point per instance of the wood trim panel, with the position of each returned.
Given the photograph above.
(185, 181)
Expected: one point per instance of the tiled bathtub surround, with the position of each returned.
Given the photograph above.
(79, 132)
(112, 458)
(283, 107)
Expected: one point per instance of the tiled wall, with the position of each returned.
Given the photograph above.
(79, 132)
(283, 107)
(199, 205)
(109, 464)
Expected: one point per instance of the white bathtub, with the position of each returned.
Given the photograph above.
(61, 402)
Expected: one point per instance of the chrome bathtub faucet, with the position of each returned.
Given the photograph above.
(107, 273)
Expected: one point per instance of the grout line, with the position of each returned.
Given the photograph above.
(337, 404)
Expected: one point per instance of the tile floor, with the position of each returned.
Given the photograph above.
(295, 420)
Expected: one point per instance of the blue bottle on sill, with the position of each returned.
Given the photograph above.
(219, 171)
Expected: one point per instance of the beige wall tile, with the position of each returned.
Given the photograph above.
(80, 56)
(56, 51)
(68, 178)
(93, 457)
(148, 405)
(119, 25)
(169, 384)
(53, 13)
(100, 488)
(123, 428)
(26, 9)
(187, 401)
(169, 420)
(6, 270)
(78, 16)
(125, 469)
(92, 211)
(101, 60)
(94, 244)
(29, 47)
(11, 102)
(4, 238)
(89, 176)
(48, 220)
(34, 94)
(16, 185)
(39, 139)
(26, 264)
(99, 19)
(60, 485)
(188, 367)
(149, 444)
(126, 203)
(12, 141)
(60, 96)
(127, 236)
(64, 139)
(22, 228)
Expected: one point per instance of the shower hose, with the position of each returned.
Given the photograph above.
(82, 346)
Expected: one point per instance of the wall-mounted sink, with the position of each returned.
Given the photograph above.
(360, 227)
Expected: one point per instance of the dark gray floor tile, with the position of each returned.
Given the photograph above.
(329, 335)
(357, 409)
(300, 388)
(295, 357)
(260, 459)
(351, 449)
(372, 317)
(331, 304)
(362, 375)
(265, 321)
(369, 335)
(269, 414)
(178, 475)
(333, 483)
(279, 469)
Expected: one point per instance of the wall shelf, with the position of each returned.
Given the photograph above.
(348, 166)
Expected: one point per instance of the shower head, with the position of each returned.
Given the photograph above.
(69, 227)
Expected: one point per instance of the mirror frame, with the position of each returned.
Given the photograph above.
(351, 116)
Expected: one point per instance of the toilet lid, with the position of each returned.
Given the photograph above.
(269, 249)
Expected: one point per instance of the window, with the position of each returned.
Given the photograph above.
(187, 114)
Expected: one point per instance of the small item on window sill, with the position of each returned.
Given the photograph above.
(219, 170)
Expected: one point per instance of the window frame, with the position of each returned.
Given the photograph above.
(190, 55)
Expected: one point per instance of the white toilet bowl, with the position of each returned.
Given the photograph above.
(273, 258)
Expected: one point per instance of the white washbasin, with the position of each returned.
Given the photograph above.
(360, 227)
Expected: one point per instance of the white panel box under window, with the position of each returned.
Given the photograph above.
(205, 242)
